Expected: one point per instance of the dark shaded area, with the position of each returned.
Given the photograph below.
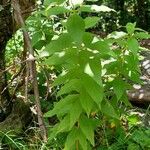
(6, 31)
(126, 11)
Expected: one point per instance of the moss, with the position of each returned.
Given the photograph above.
(19, 118)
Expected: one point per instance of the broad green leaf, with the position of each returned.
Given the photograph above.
(75, 136)
(75, 112)
(76, 27)
(86, 101)
(43, 54)
(126, 101)
(64, 41)
(111, 67)
(130, 27)
(103, 47)
(82, 140)
(48, 35)
(131, 61)
(61, 105)
(142, 35)
(85, 8)
(63, 125)
(133, 119)
(92, 88)
(63, 78)
(71, 139)
(48, 2)
(56, 10)
(133, 45)
(142, 137)
(87, 39)
(83, 60)
(56, 59)
(87, 126)
(135, 76)
(71, 86)
(95, 66)
(133, 146)
(119, 87)
(36, 37)
(72, 58)
(95, 8)
(39, 44)
(91, 21)
(67, 58)
(108, 109)
(88, 70)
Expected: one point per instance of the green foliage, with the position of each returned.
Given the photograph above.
(91, 68)
(9, 140)
(94, 73)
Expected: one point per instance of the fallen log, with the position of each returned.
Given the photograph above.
(141, 95)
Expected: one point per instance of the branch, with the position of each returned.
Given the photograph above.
(33, 72)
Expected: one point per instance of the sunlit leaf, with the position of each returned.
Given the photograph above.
(142, 35)
(130, 27)
(76, 27)
(64, 41)
(91, 21)
(58, 108)
(48, 2)
(74, 137)
(87, 126)
(119, 87)
(86, 101)
(36, 37)
(71, 86)
(95, 8)
(56, 10)
(108, 109)
(94, 90)
(133, 45)
(75, 112)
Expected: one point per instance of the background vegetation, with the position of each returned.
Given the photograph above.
(88, 55)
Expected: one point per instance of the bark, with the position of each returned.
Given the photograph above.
(7, 27)
(6, 30)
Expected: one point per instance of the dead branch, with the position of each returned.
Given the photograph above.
(33, 72)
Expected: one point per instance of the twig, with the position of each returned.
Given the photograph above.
(3, 71)
(13, 78)
(33, 72)
(27, 70)
(18, 85)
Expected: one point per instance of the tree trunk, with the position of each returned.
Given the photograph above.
(6, 31)
(7, 27)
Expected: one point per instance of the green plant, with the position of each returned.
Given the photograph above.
(9, 140)
(94, 74)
